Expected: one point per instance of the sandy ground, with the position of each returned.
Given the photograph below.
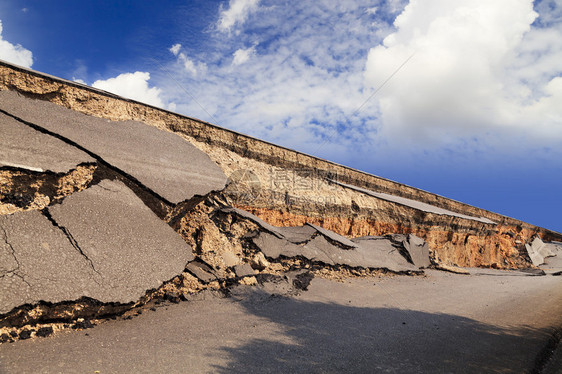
(441, 323)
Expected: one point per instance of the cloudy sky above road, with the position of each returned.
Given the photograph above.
(462, 98)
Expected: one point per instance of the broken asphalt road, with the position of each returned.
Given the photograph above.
(162, 161)
(24, 147)
(436, 324)
(102, 243)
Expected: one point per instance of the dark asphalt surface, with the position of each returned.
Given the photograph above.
(160, 160)
(23, 147)
(102, 243)
(442, 323)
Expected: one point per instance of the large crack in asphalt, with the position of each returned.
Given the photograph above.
(69, 236)
(97, 157)
(14, 271)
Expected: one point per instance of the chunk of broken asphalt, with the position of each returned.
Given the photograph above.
(39, 152)
(416, 247)
(173, 297)
(340, 240)
(85, 324)
(132, 255)
(300, 279)
(370, 252)
(298, 234)
(243, 270)
(538, 250)
(89, 245)
(5, 338)
(48, 266)
(159, 160)
(202, 271)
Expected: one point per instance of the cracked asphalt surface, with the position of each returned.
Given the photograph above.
(38, 152)
(109, 242)
(441, 323)
(162, 161)
(102, 243)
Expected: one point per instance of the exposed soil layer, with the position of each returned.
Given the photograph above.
(495, 246)
(22, 190)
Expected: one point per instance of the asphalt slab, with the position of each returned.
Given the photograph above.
(441, 323)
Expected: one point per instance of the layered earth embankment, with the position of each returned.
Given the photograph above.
(107, 204)
(295, 188)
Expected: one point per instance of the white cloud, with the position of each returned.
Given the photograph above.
(237, 13)
(191, 66)
(298, 84)
(133, 86)
(478, 68)
(175, 49)
(243, 55)
(188, 64)
(481, 77)
(78, 80)
(15, 54)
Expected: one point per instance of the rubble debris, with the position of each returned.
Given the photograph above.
(452, 269)
(25, 334)
(417, 248)
(82, 324)
(539, 252)
(323, 246)
(160, 160)
(244, 270)
(293, 234)
(259, 261)
(44, 331)
(451, 240)
(300, 279)
(371, 252)
(201, 270)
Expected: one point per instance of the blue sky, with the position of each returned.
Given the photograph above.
(472, 109)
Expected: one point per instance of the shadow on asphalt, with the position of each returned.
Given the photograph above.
(329, 337)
